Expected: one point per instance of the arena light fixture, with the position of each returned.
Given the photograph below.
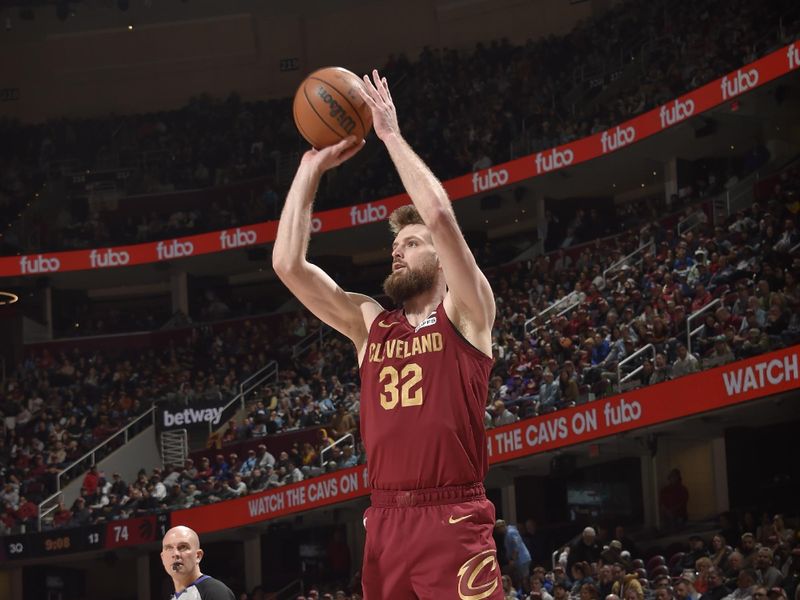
(8, 298)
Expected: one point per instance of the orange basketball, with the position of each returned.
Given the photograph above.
(328, 108)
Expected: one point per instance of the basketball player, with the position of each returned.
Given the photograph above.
(181, 555)
(424, 378)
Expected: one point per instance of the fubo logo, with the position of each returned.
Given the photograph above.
(174, 249)
(108, 258)
(237, 238)
(675, 112)
(368, 214)
(793, 54)
(490, 180)
(547, 161)
(621, 136)
(739, 84)
(38, 264)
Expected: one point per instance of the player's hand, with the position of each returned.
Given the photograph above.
(377, 96)
(332, 156)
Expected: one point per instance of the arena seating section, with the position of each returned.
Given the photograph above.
(515, 100)
(62, 403)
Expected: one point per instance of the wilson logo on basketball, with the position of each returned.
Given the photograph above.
(108, 258)
(40, 264)
(477, 578)
(345, 121)
(548, 161)
(490, 180)
(675, 112)
(174, 249)
(237, 238)
(739, 84)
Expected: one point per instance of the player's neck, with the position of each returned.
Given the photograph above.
(419, 308)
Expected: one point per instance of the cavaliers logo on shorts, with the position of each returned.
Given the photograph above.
(477, 578)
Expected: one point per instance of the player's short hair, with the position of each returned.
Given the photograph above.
(405, 215)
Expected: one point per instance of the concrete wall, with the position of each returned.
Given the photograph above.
(141, 451)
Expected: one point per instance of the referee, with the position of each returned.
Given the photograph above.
(181, 555)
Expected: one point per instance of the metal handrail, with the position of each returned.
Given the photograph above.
(293, 586)
(330, 446)
(792, 250)
(124, 432)
(305, 343)
(695, 219)
(627, 359)
(625, 259)
(247, 386)
(43, 512)
(692, 317)
(151, 412)
(570, 300)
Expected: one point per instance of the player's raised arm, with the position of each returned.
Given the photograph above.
(348, 313)
(468, 289)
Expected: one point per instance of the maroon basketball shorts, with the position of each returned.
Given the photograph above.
(431, 544)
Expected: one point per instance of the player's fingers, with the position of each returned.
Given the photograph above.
(386, 88)
(365, 94)
(379, 85)
(351, 151)
(370, 89)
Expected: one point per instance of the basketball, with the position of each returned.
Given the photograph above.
(328, 108)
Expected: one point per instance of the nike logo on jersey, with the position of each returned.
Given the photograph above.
(386, 325)
(453, 521)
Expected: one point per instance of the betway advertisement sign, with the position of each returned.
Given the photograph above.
(190, 416)
(726, 88)
(692, 395)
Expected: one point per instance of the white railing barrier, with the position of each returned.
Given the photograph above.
(312, 338)
(691, 221)
(620, 379)
(629, 259)
(80, 464)
(562, 305)
(46, 508)
(336, 443)
(248, 385)
(690, 333)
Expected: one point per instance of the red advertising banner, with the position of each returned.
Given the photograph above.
(713, 389)
(726, 88)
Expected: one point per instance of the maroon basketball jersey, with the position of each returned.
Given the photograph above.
(423, 397)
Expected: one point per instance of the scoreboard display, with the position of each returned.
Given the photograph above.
(101, 536)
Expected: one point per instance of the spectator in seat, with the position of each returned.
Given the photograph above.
(586, 549)
(684, 590)
(766, 574)
(719, 551)
(549, 393)
(747, 548)
(568, 389)
(701, 297)
(697, 550)
(503, 416)
(745, 586)
(715, 588)
(342, 423)
(263, 457)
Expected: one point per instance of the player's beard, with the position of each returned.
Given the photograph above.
(406, 283)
